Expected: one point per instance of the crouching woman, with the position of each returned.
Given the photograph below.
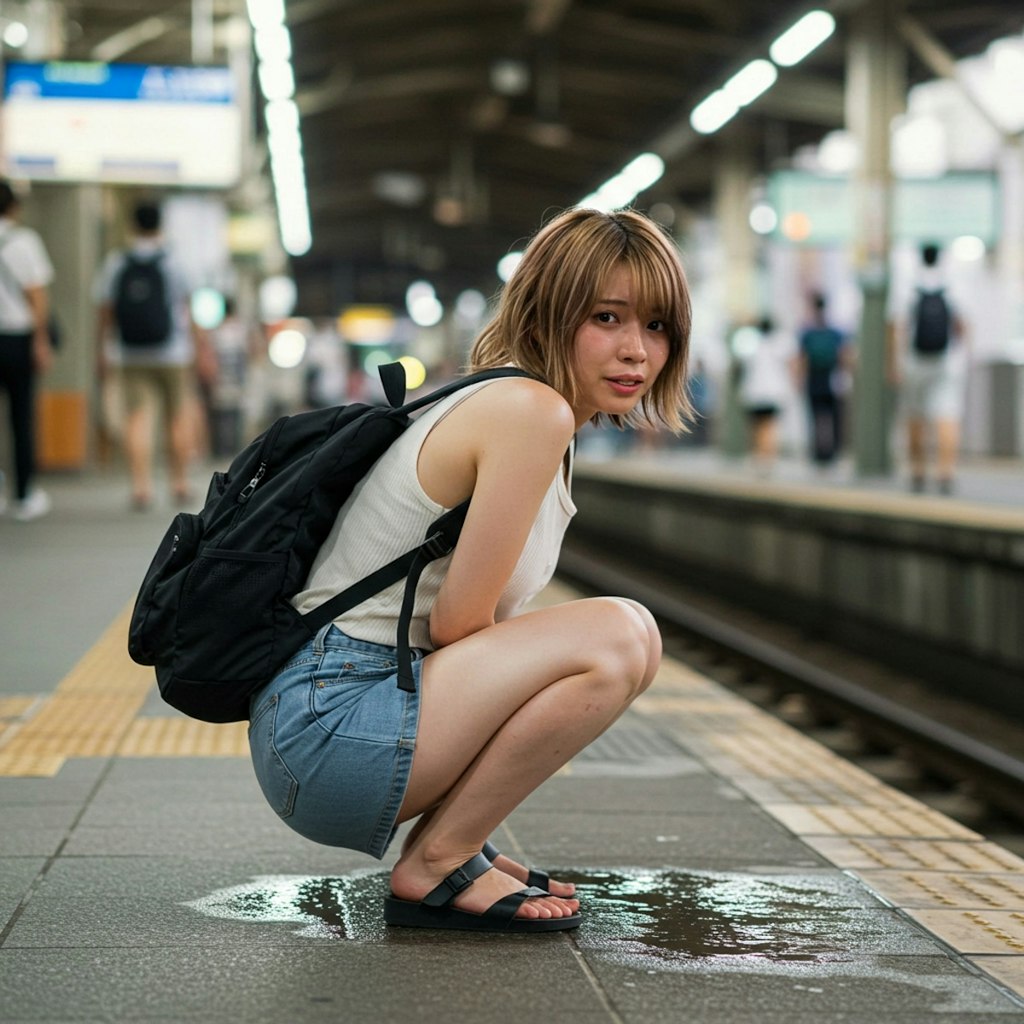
(598, 313)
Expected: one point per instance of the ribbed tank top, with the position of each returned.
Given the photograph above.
(389, 513)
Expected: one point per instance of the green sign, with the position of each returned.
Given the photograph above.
(816, 209)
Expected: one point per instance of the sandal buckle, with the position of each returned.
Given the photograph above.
(457, 881)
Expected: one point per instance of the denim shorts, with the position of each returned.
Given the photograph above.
(332, 740)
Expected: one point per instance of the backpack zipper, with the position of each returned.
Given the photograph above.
(261, 471)
(246, 492)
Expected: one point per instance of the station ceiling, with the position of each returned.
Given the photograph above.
(423, 160)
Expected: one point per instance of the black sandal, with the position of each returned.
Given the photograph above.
(538, 879)
(434, 910)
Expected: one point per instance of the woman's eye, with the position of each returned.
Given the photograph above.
(606, 316)
(656, 325)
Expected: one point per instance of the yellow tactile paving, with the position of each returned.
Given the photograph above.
(93, 713)
(898, 822)
(939, 890)
(979, 932)
(28, 763)
(834, 792)
(1007, 969)
(87, 715)
(915, 854)
(12, 708)
(184, 737)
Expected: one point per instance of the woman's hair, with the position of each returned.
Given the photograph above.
(553, 291)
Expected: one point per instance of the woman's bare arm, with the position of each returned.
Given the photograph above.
(504, 446)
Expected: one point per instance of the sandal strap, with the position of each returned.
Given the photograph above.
(536, 879)
(461, 878)
(539, 880)
(505, 909)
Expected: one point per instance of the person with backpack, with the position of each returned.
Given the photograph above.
(499, 699)
(823, 358)
(927, 347)
(145, 332)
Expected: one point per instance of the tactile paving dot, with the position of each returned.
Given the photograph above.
(947, 890)
(976, 931)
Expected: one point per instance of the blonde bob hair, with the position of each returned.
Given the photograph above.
(554, 289)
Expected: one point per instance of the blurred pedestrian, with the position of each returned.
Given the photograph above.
(26, 347)
(766, 388)
(145, 330)
(233, 345)
(928, 364)
(822, 363)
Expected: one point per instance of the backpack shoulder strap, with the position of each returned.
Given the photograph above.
(464, 382)
(392, 377)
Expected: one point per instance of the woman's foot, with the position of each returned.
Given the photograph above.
(412, 878)
(516, 870)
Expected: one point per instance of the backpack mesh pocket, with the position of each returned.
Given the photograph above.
(231, 593)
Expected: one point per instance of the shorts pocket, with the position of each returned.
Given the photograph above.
(277, 782)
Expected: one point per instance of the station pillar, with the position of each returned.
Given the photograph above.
(734, 180)
(875, 94)
(68, 219)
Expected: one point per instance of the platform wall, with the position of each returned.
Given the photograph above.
(931, 592)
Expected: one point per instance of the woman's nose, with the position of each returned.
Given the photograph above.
(632, 347)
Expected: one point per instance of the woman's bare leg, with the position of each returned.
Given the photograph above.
(501, 711)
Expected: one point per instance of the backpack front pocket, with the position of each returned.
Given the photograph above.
(234, 594)
(153, 616)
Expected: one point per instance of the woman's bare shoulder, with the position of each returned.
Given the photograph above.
(521, 403)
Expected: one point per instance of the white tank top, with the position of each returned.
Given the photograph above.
(389, 513)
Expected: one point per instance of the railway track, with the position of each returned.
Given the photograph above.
(954, 767)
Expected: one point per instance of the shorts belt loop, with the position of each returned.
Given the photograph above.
(321, 638)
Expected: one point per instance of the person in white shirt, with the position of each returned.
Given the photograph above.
(26, 349)
(766, 388)
(928, 363)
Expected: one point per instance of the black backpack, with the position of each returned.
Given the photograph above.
(931, 323)
(142, 308)
(213, 614)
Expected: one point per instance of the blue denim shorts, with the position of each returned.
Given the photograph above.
(332, 740)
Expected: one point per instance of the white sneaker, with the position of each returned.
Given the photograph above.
(34, 506)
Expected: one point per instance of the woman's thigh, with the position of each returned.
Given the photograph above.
(470, 688)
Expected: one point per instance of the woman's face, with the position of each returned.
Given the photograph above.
(619, 351)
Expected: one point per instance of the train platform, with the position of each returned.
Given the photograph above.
(731, 869)
(997, 482)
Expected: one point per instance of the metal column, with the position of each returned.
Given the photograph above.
(875, 93)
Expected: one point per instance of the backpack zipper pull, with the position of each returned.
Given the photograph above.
(246, 492)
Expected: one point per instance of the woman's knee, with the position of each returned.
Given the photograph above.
(630, 644)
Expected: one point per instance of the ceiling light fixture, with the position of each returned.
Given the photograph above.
(273, 45)
(805, 36)
(621, 189)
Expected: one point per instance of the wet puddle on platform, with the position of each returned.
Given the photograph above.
(649, 919)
